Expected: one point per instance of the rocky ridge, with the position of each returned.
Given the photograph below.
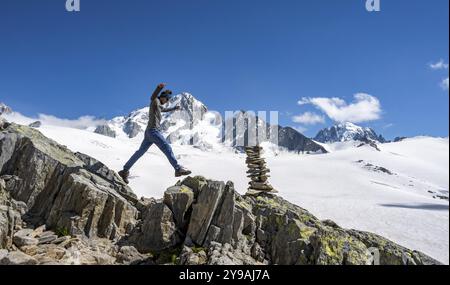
(346, 132)
(204, 129)
(60, 207)
(4, 109)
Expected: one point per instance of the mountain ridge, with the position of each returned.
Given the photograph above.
(347, 131)
(199, 125)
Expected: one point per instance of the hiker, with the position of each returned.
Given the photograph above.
(153, 135)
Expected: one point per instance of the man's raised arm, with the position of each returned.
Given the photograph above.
(158, 90)
(167, 110)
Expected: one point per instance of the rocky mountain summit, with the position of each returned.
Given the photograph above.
(60, 207)
(292, 140)
(346, 132)
(136, 122)
(4, 109)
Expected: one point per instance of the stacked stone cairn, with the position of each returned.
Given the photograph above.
(257, 172)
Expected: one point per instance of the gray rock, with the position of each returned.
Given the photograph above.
(143, 205)
(46, 234)
(219, 254)
(18, 258)
(98, 168)
(96, 258)
(292, 140)
(196, 184)
(336, 247)
(290, 242)
(3, 253)
(238, 223)
(189, 257)
(47, 239)
(21, 241)
(249, 226)
(105, 130)
(61, 240)
(38, 231)
(36, 124)
(130, 256)
(10, 216)
(392, 253)
(24, 232)
(61, 189)
(213, 235)
(23, 238)
(257, 252)
(158, 231)
(95, 209)
(19, 206)
(132, 129)
(261, 237)
(222, 232)
(203, 211)
(3, 123)
(179, 200)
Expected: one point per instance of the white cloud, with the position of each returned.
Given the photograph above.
(303, 101)
(364, 108)
(438, 65)
(444, 84)
(80, 123)
(309, 118)
(441, 65)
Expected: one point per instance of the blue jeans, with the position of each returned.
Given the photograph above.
(153, 136)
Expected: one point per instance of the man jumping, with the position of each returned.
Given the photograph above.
(153, 135)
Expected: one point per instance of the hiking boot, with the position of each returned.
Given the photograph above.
(182, 172)
(124, 175)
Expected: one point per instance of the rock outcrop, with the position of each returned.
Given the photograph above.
(60, 207)
(36, 124)
(346, 132)
(132, 129)
(105, 130)
(62, 189)
(399, 139)
(292, 140)
(4, 109)
(212, 224)
(11, 212)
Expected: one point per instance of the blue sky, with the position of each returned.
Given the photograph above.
(252, 55)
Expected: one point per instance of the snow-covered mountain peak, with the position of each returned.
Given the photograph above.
(190, 125)
(346, 132)
(350, 127)
(4, 109)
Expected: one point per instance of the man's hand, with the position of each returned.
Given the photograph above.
(157, 91)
